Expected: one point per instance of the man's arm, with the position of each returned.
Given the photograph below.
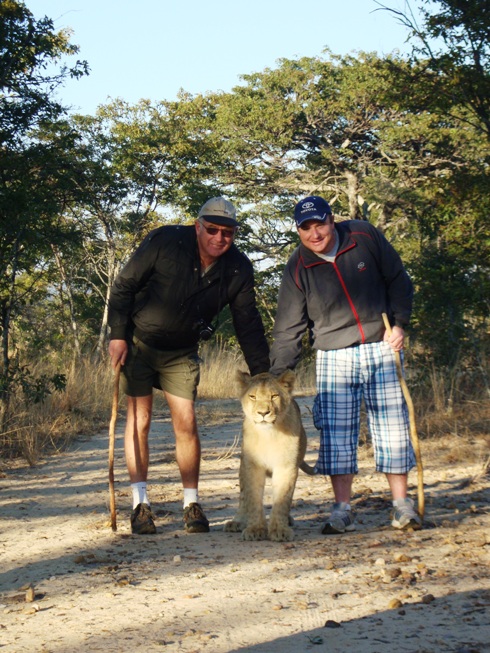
(398, 283)
(249, 328)
(400, 293)
(128, 282)
(118, 351)
(290, 325)
(396, 339)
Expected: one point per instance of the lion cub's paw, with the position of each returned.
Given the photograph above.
(233, 526)
(279, 533)
(255, 533)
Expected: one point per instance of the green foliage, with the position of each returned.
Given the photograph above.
(36, 389)
(27, 48)
(393, 140)
(446, 327)
(451, 44)
(36, 175)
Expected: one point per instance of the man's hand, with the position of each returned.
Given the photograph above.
(118, 351)
(396, 339)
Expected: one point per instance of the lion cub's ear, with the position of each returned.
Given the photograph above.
(287, 380)
(243, 379)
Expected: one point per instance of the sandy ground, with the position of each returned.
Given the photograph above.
(68, 583)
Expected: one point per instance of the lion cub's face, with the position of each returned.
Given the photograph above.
(265, 397)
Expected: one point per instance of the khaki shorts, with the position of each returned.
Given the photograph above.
(175, 372)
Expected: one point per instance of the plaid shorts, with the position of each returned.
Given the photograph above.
(344, 378)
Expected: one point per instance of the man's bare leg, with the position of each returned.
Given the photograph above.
(188, 455)
(404, 515)
(136, 448)
(398, 485)
(187, 444)
(342, 486)
(340, 520)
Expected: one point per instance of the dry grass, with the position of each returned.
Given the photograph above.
(219, 367)
(32, 429)
(451, 413)
(453, 449)
(218, 372)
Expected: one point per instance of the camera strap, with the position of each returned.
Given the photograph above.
(221, 287)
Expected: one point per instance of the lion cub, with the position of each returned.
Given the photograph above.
(274, 444)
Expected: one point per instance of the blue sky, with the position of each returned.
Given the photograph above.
(152, 48)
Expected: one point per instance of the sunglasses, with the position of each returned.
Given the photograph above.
(213, 231)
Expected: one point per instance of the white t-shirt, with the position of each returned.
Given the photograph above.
(331, 254)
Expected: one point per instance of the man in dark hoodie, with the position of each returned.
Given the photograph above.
(162, 304)
(337, 284)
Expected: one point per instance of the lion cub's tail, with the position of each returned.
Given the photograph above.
(307, 469)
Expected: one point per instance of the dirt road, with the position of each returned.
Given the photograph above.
(69, 584)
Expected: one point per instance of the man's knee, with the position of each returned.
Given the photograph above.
(186, 431)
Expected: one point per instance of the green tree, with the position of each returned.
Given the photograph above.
(362, 134)
(142, 165)
(451, 40)
(27, 48)
(33, 186)
(448, 82)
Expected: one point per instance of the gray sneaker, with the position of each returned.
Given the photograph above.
(341, 520)
(404, 515)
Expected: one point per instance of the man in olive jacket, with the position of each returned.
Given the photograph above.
(162, 304)
(336, 285)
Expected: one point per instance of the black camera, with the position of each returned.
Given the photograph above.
(205, 330)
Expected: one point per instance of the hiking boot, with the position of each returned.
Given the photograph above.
(195, 520)
(142, 520)
(341, 520)
(404, 515)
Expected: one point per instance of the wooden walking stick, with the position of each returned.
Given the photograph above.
(413, 429)
(112, 439)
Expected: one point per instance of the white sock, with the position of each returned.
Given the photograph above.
(140, 494)
(345, 505)
(401, 502)
(190, 496)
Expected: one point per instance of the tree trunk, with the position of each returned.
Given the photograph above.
(71, 303)
(7, 303)
(352, 193)
(112, 271)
